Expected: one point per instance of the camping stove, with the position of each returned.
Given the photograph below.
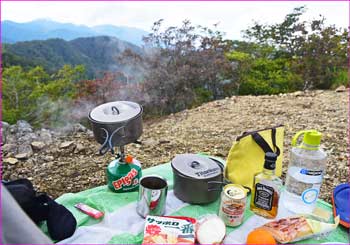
(117, 124)
(123, 173)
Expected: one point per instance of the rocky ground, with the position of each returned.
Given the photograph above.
(67, 160)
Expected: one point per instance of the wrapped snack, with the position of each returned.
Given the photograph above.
(169, 230)
(298, 228)
(94, 213)
(210, 229)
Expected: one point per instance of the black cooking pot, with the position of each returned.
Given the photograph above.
(116, 124)
(197, 179)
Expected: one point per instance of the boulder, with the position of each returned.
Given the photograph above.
(25, 151)
(48, 158)
(340, 89)
(67, 145)
(298, 93)
(20, 133)
(27, 138)
(37, 145)
(11, 160)
(23, 127)
(13, 129)
(9, 149)
(5, 125)
(22, 156)
(78, 128)
(79, 148)
(90, 134)
(45, 136)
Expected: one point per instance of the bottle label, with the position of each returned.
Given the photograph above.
(311, 172)
(131, 179)
(263, 196)
(309, 196)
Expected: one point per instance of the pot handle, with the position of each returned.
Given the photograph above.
(111, 137)
(105, 147)
(214, 183)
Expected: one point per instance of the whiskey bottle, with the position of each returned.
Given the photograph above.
(266, 189)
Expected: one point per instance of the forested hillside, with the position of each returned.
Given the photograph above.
(95, 53)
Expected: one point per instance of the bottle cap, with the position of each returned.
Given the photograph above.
(312, 137)
(128, 159)
(270, 160)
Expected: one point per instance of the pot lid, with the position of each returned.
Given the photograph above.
(117, 111)
(196, 166)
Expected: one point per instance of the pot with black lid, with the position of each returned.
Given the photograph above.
(197, 179)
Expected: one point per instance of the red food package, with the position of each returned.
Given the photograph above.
(169, 230)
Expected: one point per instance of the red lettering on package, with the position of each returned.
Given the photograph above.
(126, 180)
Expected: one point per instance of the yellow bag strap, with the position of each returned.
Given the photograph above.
(273, 135)
(264, 145)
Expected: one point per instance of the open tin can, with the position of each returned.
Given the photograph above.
(233, 203)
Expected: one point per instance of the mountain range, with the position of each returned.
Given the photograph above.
(43, 29)
(95, 53)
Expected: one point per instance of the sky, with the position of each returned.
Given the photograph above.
(233, 17)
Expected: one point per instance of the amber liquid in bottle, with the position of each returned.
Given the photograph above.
(266, 192)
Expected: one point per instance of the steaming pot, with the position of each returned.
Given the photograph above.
(116, 123)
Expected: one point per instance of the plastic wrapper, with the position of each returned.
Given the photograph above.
(210, 229)
(169, 230)
(94, 213)
(296, 228)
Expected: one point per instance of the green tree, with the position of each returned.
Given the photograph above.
(20, 90)
(318, 53)
(263, 75)
(37, 97)
(63, 83)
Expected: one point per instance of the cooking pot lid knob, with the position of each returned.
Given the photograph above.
(195, 164)
(115, 110)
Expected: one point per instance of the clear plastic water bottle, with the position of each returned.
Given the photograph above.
(305, 173)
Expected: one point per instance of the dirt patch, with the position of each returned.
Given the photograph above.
(71, 163)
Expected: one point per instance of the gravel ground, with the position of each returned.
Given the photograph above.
(71, 163)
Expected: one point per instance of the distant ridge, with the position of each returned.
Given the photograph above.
(43, 29)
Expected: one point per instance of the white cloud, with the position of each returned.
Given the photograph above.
(232, 16)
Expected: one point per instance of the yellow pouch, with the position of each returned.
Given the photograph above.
(246, 156)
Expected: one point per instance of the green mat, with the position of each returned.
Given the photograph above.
(122, 225)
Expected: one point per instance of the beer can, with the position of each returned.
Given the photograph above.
(232, 205)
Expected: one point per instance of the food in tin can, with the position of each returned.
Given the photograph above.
(232, 206)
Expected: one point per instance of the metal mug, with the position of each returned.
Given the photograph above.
(152, 196)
